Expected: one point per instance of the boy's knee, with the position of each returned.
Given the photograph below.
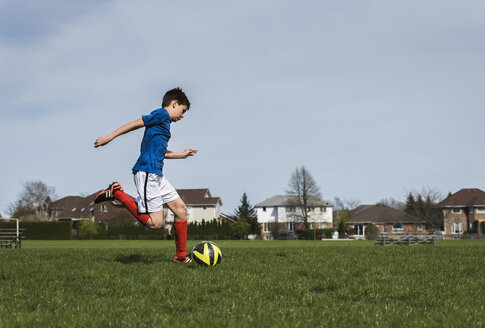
(182, 211)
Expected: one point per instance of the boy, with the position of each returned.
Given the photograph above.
(153, 188)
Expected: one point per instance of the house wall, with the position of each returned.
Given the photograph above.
(319, 218)
(450, 218)
(197, 213)
(408, 228)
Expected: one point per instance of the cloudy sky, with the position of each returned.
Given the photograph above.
(374, 98)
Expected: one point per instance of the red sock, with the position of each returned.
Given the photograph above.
(131, 206)
(180, 228)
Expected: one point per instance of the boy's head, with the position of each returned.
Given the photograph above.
(175, 94)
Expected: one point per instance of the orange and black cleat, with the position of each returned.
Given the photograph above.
(186, 259)
(108, 193)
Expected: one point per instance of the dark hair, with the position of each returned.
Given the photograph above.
(175, 94)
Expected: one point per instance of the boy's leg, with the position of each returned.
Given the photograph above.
(131, 206)
(178, 207)
(115, 191)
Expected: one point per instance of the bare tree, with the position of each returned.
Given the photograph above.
(392, 202)
(304, 192)
(345, 204)
(34, 201)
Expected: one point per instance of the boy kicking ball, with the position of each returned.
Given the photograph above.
(153, 188)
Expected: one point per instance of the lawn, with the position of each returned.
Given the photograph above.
(259, 283)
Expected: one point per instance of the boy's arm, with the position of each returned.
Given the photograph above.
(186, 153)
(101, 141)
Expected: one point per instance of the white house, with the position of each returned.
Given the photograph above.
(280, 210)
(200, 206)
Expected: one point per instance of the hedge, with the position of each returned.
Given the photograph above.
(42, 230)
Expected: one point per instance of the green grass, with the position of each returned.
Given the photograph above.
(262, 284)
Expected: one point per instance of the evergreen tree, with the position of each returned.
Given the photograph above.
(410, 205)
(247, 213)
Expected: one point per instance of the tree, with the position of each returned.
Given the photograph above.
(343, 209)
(34, 201)
(425, 205)
(247, 213)
(303, 191)
(240, 228)
(88, 229)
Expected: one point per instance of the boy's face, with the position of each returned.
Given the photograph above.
(177, 111)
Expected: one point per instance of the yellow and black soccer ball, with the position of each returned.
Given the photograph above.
(206, 253)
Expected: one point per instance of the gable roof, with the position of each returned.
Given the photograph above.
(286, 200)
(381, 213)
(198, 197)
(84, 207)
(465, 197)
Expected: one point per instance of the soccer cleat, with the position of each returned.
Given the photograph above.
(108, 193)
(186, 259)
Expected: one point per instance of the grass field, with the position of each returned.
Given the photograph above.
(258, 284)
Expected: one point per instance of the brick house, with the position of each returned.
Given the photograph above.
(278, 210)
(464, 212)
(388, 220)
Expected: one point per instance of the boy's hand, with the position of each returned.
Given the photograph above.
(101, 141)
(189, 152)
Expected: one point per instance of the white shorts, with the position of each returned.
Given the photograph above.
(153, 191)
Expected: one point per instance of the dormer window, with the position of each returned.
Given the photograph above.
(74, 209)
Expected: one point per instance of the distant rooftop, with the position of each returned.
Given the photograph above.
(286, 200)
(465, 197)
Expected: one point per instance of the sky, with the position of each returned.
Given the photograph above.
(374, 98)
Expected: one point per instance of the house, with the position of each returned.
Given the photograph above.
(387, 219)
(200, 206)
(281, 213)
(464, 211)
(74, 208)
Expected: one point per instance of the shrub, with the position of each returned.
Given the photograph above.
(371, 232)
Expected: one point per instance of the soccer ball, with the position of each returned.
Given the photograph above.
(206, 253)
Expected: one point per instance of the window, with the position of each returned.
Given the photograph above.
(268, 237)
(457, 228)
(264, 208)
(384, 227)
(480, 209)
(290, 226)
(266, 227)
(420, 227)
(397, 228)
(104, 208)
(291, 209)
(359, 229)
(204, 207)
(456, 211)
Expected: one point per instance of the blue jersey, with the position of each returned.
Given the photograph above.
(155, 142)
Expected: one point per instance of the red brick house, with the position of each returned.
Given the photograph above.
(464, 212)
(388, 220)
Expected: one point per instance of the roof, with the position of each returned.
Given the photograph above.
(286, 200)
(198, 197)
(381, 213)
(84, 207)
(465, 197)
